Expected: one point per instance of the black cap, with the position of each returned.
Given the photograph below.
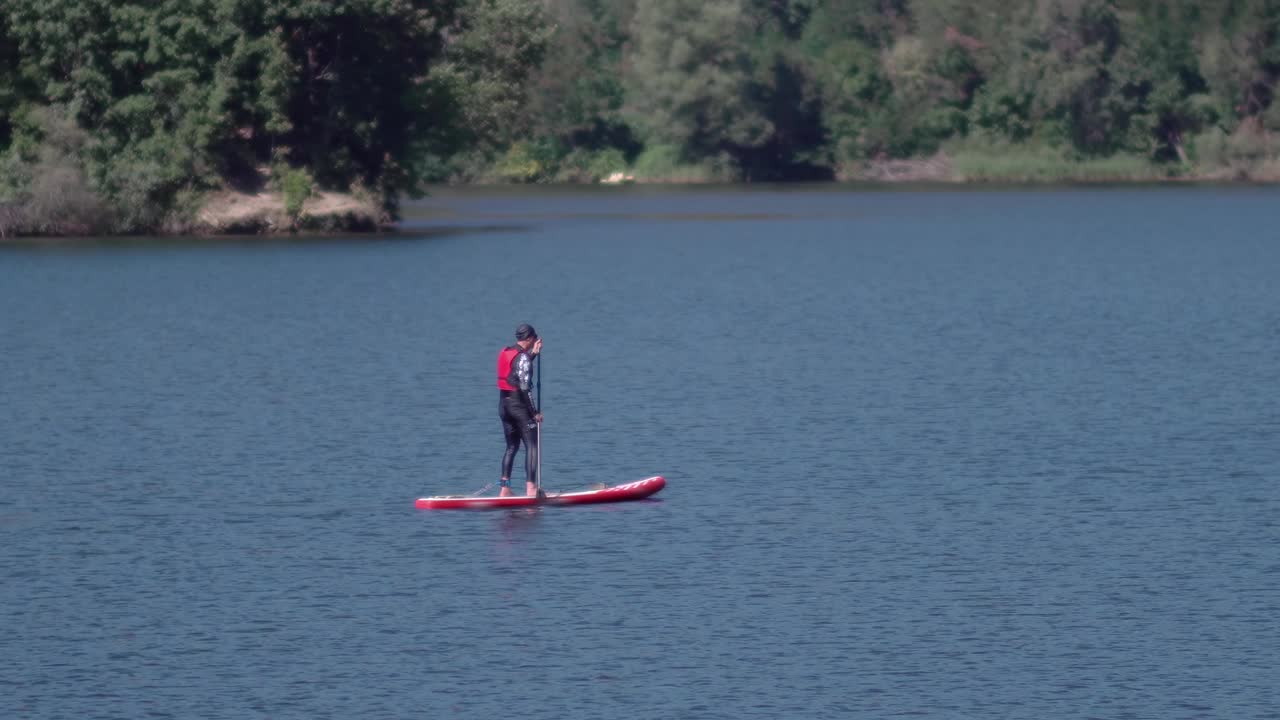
(526, 331)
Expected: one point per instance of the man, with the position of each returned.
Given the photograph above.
(520, 416)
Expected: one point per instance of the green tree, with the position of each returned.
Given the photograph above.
(478, 92)
(691, 80)
(353, 86)
(720, 81)
(137, 79)
(842, 42)
(1159, 70)
(1051, 79)
(577, 95)
(500, 43)
(184, 95)
(11, 95)
(1240, 58)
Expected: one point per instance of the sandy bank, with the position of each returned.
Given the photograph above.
(234, 213)
(219, 213)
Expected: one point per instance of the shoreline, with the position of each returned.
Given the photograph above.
(240, 215)
(264, 213)
(228, 213)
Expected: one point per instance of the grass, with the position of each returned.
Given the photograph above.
(1041, 164)
(662, 163)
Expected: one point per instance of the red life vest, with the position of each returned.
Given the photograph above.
(505, 358)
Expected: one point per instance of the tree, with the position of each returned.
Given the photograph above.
(693, 77)
(186, 95)
(1160, 70)
(353, 86)
(11, 94)
(1240, 58)
(492, 49)
(137, 78)
(577, 95)
(719, 80)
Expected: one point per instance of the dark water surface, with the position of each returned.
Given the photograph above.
(940, 454)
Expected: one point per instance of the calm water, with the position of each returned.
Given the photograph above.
(946, 454)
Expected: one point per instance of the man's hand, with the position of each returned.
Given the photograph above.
(538, 418)
(537, 346)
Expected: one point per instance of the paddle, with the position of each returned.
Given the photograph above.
(538, 388)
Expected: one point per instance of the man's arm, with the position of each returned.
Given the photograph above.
(524, 379)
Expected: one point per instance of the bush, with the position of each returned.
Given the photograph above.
(60, 201)
(296, 188)
(182, 217)
(48, 191)
(584, 166)
(1024, 162)
(664, 163)
(1243, 154)
(658, 161)
(605, 163)
(519, 165)
(57, 202)
(135, 187)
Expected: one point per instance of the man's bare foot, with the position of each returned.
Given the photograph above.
(504, 492)
(530, 489)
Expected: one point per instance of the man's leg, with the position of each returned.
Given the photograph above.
(530, 436)
(512, 434)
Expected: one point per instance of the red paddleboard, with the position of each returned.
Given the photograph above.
(617, 493)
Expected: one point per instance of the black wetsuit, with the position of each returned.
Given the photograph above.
(517, 410)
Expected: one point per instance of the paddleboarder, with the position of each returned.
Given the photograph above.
(520, 416)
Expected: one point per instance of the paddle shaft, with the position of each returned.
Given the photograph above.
(538, 386)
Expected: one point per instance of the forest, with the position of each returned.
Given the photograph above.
(123, 117)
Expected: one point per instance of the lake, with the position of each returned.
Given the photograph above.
(941, 453)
